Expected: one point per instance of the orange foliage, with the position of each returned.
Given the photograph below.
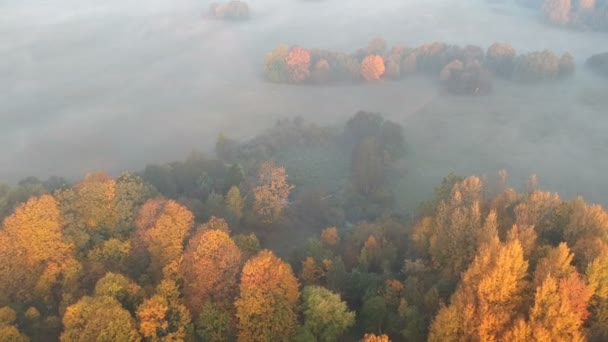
(310, 272)
(371, 243)
(372, 67)
(375, 338)
(576, 293)
(34, 254)
(330, 237)
(266, 306)
(162, 226)
(210, 268)
(272, 192)
(298, 64)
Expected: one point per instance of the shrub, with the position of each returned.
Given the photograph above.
(233, 10)
(372, 67)
(376, 47)
(321, 72)
(409, 63)
(346, 68)
(598, 63)
(500, 59)
(566, 65)
(469, 78)
(537, 66)
(275, 65)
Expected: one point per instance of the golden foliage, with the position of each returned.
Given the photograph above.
(372, 67)
(98, 319)
(163, 317)
(488, 297)
(375, 338)
(266, 306)
(210, 269)
(558, 264)
(330, 237)
(551, 318)
(34, 254)
(162, 226)
(272, 193)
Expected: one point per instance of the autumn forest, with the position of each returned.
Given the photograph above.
(303, 171)
(196, 250)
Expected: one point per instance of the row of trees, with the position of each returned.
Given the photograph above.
(463, 70)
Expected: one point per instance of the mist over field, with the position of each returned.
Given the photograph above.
(114, 85)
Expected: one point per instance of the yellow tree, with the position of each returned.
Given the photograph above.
(552, 318)
(266, 306)
(162, 226)
(98, 319)
(210, 268)
(488, 298)
(375, 338)
(272, 193)
(8, 330)
(456, 230)
(163, 317)
(558, 264)
(35, 257)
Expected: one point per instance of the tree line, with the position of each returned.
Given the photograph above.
(461, 70)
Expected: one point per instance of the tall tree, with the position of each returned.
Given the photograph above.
(326, 316)
(210, 268)
(265, 308)
(488, 298)
(162, 226)
(98, 319)
(163, 317)
(35, 257)
(272, 193)
(234, 202)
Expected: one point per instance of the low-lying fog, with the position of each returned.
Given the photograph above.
(113, 85)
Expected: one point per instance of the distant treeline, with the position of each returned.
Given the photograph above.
(582, 14)
(462, 70)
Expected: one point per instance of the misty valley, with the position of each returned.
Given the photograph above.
(256, 170)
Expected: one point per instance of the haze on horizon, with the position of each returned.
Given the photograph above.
(116, 85)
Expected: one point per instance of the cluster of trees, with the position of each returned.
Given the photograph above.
(462, 70)
(173, 253)
(232, 10)
(599, 63)
(586, 14)
(152, 256)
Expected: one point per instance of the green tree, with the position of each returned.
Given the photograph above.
(214, 324)
(234, 202)
(373, 314)
(326, 316)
